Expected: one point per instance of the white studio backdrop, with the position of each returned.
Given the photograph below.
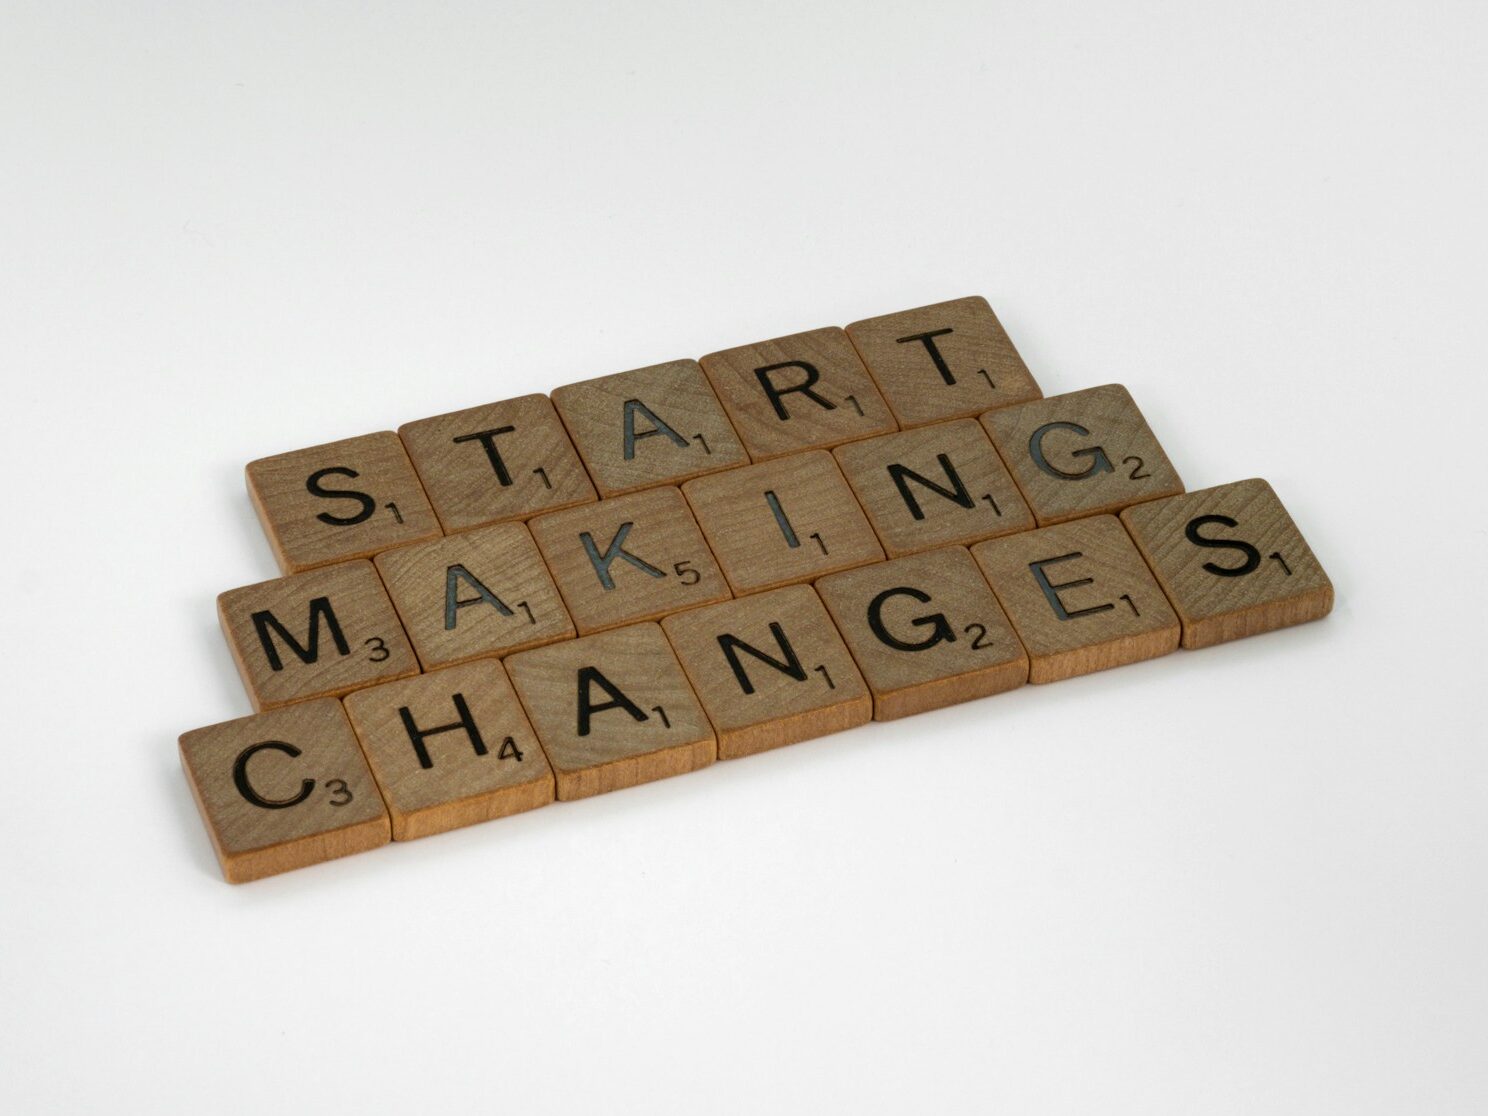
(1248, 879)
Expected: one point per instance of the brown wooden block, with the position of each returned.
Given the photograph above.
(628, 559)
(1231, 561)
(283, 790)
(782, 522)
(451, 748)
(925, 631)
(508, 460)
(770, 670)
(321, 633)
(806, 391)
(647, 427)
(480, 593)
(1082, 454)
(1080, 597)
(949, 360)
(612, 710)
(934, 486)
(346, 499)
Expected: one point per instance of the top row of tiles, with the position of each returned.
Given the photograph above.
(517, 458)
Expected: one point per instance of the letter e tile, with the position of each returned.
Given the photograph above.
(1080, 597)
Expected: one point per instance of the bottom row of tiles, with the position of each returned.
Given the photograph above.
(486, 739)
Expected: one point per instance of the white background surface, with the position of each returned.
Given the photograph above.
(1243, 880)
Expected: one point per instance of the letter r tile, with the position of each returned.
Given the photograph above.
(1081, 454)
(806, 391)
(283, 789)
(1079, 596)
(321, 633)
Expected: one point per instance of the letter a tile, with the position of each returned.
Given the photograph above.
(806, 391)
(1082, 454)
(478, 593)
(770, 670)
(782, 522)
(450, 748)
(347, 499)
(1232, 562)
(612, 710)
(283, 790)
(650, 426)
(1080, 597)
(926, 632)
(950, 360)
(321, 633)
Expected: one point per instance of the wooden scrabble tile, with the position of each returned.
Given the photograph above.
(1082, 454)
(612, 710)
(782, 522)
(283, 790)
(949, 360)
(770, 669)
(631, 558)
(347, 499)
(508, 460)
(1080, 597)
(806, 391)
(651, 426)
(1231, 561)
(925, 631)
(934, 486)
(321, 633)
(450, 748)
(480, 593)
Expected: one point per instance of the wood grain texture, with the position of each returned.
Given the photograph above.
(648, 427)
(949, 360)
(1080, 597)
(450, 749)
(934, 486)
(926, 632)
(283, 790)
(1231, 561)
(1084, 453)
(346, 499)
(612, 710)
(480, 593)
(782, 522)
(630, 558)
(822, 394)
(321, 633)
(502, 461)
(770, 670)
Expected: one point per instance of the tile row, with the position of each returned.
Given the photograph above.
(404, 755)
(661, 425)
